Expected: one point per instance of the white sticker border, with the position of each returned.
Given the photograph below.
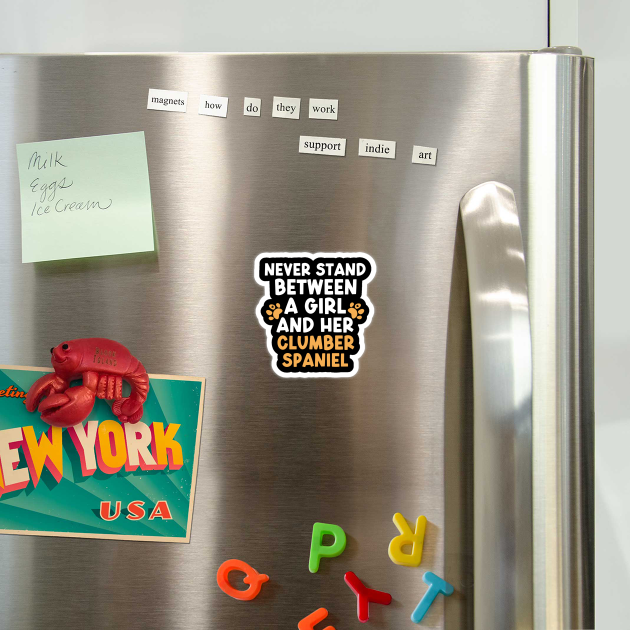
(267, 296)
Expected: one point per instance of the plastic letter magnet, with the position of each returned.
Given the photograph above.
(407, 537)
(308, 623)
(365, 596)
(436, 586)
(319, 551)
(252, 577)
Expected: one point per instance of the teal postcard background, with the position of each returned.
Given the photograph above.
(72, 505)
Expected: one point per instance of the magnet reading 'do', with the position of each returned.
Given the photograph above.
(315, 309)
(102, 364)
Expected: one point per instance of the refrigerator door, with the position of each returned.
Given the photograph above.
(279, 454)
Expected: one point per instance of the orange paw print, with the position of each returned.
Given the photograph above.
(274, 311)
(355, 310)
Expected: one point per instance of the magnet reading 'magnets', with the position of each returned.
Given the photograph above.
(102, 364)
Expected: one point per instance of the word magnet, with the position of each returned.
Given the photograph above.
(213, 105)
(319, 550)
(285, 107)
(424, 155)
(167, 100)
(322, 146)
(251, 106)
(407, 537)
(377, 148)
(323, 108)
(252, 577)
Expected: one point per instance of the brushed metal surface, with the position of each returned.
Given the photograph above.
(560, 275)
(502, 369)
(276, 454)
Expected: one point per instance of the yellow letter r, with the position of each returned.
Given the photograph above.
(407, 537)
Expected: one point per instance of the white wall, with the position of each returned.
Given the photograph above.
(270, 25)
(604, 29)
(599, 27)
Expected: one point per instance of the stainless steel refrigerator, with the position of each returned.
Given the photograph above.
(472, 403)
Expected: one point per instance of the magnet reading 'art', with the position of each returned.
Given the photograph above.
(252, 577)
(102, 364)
(315, 310)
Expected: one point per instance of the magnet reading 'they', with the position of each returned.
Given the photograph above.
(315, 309)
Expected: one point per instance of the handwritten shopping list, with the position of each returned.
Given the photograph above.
(85, 197)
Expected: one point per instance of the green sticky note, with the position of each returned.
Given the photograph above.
(85, 197)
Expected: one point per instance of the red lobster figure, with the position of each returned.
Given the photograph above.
(103, 364)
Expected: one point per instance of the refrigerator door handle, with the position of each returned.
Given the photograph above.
(502, 374)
